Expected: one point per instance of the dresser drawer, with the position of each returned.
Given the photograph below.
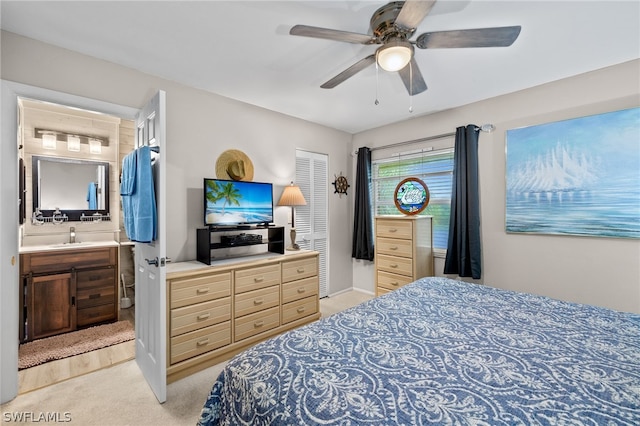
(394, 228)
(391, 281)
(257, 277)
(256, 300)
(297, 269)
(198, 289)
(394, 247)
(96, 314)
(253, 324)
(200, 315)
(299, 289)
(299, 309)
(200, 341)
(395, 264)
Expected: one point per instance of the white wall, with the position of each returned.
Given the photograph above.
(598, 271)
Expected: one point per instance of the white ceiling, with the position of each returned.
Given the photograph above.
(242, 49)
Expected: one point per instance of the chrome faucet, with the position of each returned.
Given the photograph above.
(72, 235)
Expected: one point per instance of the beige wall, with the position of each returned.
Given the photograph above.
(599, 271)
(200, 126)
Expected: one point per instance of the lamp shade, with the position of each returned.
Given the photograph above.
(292, 196)
(394, 55)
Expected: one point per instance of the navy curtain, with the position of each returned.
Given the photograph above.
(362, 246)
(464, 250)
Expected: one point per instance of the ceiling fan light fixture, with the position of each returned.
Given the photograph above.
(394, 55)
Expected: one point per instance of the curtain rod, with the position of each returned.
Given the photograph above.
(485, 128)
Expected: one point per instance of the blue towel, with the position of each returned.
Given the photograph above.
(127, 187)
(92, 196)
(138, 196)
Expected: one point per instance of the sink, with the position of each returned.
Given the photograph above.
(68, 246)
(78, 244)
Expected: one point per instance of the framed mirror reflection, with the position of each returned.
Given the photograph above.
(75, 187)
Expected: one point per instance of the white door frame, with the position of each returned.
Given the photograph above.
(9, 298)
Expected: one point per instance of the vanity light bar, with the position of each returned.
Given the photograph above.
(62, 136)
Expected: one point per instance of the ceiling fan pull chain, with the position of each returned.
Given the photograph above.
(376, 101)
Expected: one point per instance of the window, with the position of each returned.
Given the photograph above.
(434, 168)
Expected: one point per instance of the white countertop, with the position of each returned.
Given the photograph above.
(68, 246)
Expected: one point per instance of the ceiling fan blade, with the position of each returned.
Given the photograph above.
(349, 72)
(329, 34)
(412, 78)
(481, 37)
(412, 13)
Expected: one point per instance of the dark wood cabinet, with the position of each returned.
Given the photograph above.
(66, 290)
(50, 303)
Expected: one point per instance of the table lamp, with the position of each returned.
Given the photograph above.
(292, 196)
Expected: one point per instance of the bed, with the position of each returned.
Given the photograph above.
(440, 351)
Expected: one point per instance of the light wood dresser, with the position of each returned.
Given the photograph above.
(404, 251)
(217, 311)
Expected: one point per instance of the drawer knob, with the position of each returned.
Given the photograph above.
(301, 309)
(394, 265)
(301, 290)
(300, 270)
(258, 279)
(393, 230)
(393, 248)
(394, 283)
(258, 324)
(258, 302)
(202, 290)
(203, 342)
(203, 316)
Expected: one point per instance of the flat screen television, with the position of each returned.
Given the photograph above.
(237, 203)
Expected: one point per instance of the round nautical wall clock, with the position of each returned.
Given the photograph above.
(340, 184)
(411, 196)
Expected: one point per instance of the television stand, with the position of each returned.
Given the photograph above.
(274, 242)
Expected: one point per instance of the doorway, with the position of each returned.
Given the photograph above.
(117, 141)
(9, 242)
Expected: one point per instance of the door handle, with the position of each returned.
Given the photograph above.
(152, 261)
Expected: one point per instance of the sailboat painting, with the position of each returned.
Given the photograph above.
(575, 177)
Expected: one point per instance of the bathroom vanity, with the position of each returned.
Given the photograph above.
(66, 287)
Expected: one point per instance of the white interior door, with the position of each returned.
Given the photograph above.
(312, 227)
(150, 259)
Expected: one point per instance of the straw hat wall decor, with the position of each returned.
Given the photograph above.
(234, 164)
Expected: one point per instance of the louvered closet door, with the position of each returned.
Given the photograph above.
(312, 219)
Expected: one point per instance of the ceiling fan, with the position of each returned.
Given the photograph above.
(393, 25)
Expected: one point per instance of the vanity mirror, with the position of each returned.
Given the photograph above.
(77, 187)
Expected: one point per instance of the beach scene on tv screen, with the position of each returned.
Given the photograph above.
(230, 203)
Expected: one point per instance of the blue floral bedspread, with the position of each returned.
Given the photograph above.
(440, 351)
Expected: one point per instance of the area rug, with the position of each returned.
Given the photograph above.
(74, 343)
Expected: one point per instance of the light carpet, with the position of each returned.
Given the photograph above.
(74, 343)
